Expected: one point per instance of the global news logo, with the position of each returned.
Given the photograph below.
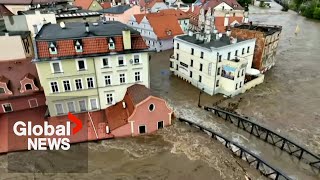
(46, 136)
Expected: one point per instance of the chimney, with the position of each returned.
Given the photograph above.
(87, 27)
(37, 12)
(192, 7)
(228, 33)
(126, 37)
(6, 34)
(190, 33)
(197, 36)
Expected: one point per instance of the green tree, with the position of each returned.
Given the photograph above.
(244, 3)
(316, 13)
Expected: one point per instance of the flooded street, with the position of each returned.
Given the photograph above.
(288, 102)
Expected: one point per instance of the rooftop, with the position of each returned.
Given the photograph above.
(4, 11)
(266, 29)
(77, 30)
(85, 4)
(216, 43)
(29, 2)
(23, 34)
(116, 9)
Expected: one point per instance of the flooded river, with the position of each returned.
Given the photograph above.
(287, 102)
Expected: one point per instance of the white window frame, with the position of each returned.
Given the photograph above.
(112, 45)
(109, 62)
(139, 62)
(55, 106)
(85, 64)
(125, 77)
(112, 96)
(124, 61)
(55, 49)
(51, 86)
(135, 80)
(145, 129)
(93, 81)
(75, 47)
(96, 103)
(4, 90)
(158, 124)
(74, 106)
(60, 65)
(69, 84)
(154, 107)
(33, 99)
(75, 84)
(85, 103)
(4, 108)
(105, 80)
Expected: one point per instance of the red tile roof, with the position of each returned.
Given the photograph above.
(138, 93)
(4, 11)
(149, 3)
(178, 13)
(139, 17)
(105, 5)
(213, 3)
(29, 2)
(85, 4)
(15, 71)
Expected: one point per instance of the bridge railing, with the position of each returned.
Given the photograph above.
(269, 136)
(241, 152)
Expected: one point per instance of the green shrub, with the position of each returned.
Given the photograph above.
(316, 13)
(285, 7)
(308, 11)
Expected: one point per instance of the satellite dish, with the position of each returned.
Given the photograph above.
(62, 25)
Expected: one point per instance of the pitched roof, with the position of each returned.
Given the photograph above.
(149, 3)
(4, 11)
(106, 5)
(85, 4)
(15, 71)
(116, 9)
(165, 26)
(176, 12)
(138, 93)
(139, 17)
(214, 3)
(29, 2)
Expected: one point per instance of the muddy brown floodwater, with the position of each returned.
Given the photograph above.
(287, 102)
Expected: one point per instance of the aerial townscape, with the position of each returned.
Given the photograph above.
(119, 68)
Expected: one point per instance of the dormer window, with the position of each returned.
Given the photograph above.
(78, 46)
(111, 43)
(2, 91)
(169, 33)
(53, 48)
(28, 86)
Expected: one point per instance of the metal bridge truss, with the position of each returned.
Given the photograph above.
(241, 152)
(269, 136)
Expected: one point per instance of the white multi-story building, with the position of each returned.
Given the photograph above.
(213, 62)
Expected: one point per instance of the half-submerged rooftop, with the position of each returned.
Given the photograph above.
(215, 42)
(266, 29)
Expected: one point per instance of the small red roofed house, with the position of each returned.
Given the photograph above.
(153, 5)
(139, 113)
(92, 5)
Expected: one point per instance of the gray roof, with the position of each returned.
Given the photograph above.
(116, 9)
(266, 29)
(216, 43)
(76, 30)
(30, 2)
(23, 34)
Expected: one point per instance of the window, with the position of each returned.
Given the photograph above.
(136, 59)
(218, 73)
(109, 98)
(217, 84)
(82, 105)
(66, 85)
(236, 53)
(248, 49)
(177, 45)
(105, 62)
(192, 51)
(229, 54)
(220, 58)
(53, 48)
(171, 64)
(54, 87)
(201, 55)
(90, 83)
(242, 51)
(191, 74)
(239, 73)
(191, 63)
(56, 67)
(151, 107)
(28, 86)
(142, 129)
(2, 90)
(200, 78)
(242, 73)
(59, 109)
(71, 107)
(107, 80)
(177, 56)
(236, 86)
(78, 46)
(26, 45)
(93, 103)
(160, 43)
(201, 66)
(177, 67)
(240, 85)
(7, 107)
(78, 84)
(33, 103)
(111, 44)
(160, 124)
(137, 76)
(81, 65)
(122, 78)
(120, 61)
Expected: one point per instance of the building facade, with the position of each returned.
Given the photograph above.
(121, 13)
(266, 45)
(87, 67)
(152, 6)
(213, 62)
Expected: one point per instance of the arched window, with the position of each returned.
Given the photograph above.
(28, 86)
(151, 107)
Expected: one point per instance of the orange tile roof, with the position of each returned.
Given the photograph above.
(105, 5)
(4, 11)
(165, 26)
(178, 13)
(139, 17)
(149, 3)
(85, 4)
